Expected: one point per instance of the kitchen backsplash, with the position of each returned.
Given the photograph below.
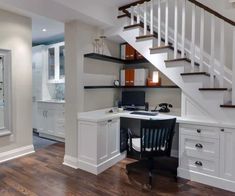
(56, 91)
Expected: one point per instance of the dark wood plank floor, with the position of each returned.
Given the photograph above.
(43, 174)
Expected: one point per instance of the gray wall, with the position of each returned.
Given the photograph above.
(16, 36)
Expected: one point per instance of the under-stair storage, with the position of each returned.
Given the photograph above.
(206, 155)
(186, 41)
(194, 47)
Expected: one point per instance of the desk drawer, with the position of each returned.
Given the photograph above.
(194, 146)
(210, 167)
(200, 131)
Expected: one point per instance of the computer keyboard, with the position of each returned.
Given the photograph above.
(145, 113)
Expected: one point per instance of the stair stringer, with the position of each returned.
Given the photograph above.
(209, 106)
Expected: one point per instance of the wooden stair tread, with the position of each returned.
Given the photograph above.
(180, 59)
(132, 26)
(195, 73)
(146, 36)
(123, 15)
(161, 47)
(213, 89)
(227, 106)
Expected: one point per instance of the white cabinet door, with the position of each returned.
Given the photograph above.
(114, 137)
(41, 125)
(50, 122)
(59, 124)
(55, 63)
(102, 141)
(227, 154)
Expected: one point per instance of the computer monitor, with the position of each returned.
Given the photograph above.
(133, 98)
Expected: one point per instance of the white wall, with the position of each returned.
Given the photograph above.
(15, 35)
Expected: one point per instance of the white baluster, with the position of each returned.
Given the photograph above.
(166, 22)
(145, 18)
(151, 17)
(222, 60)
(212, 60)
(193, 38)
(176, 30)
(159, 23)
(132, 15)
(233, 85)
(202, 28)
(138, 13)
(183, 29)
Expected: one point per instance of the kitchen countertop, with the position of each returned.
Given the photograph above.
(52, 101)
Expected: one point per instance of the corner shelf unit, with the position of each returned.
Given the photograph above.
(121, 61)
(128, 87)
(114, 59)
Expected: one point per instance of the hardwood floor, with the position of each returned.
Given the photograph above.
(43, 174)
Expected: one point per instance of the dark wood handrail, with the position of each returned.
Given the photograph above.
(212, 12)
(206, 8)
(132, 4)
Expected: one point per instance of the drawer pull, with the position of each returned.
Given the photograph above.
(198, 163)
(222, 130)
(199, 146)
(109, 120)
(199, 130)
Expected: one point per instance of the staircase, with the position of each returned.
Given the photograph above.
(173, 35)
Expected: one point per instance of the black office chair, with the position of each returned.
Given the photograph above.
(155, 141)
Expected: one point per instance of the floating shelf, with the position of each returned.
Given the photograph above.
(128, 87)
(104, 58)
(114, 59)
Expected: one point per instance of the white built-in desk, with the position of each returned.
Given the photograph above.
(206, 148)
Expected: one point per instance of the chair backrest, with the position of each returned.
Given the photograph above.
(156, 137)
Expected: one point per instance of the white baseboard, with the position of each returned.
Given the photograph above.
(70, 161)
(15, 153)
(207, 179)
(97, 169)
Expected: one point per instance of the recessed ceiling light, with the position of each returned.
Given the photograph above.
(44, 30)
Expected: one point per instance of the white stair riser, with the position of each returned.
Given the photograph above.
(203, 80)
(218, 95)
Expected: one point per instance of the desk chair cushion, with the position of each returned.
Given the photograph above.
(136, 145)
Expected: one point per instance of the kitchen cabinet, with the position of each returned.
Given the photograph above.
(55, 63)
(51, 120)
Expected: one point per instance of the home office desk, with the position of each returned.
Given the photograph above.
(99, 146)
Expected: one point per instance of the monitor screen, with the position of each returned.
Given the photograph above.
(133, 98)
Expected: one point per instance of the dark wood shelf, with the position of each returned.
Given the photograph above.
(114, 59)
(104, 58)
(128, 87)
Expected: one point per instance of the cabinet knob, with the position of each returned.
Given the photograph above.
(109, 120)
(199, 130)
(199, 146)
(222, 130)
(198, 163)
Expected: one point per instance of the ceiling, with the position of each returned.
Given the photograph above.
(54, 30)
(52, 14)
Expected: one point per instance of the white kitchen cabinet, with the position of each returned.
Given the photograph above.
(51, 120)
(98, 145)
(55, 63)
(227, 153)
